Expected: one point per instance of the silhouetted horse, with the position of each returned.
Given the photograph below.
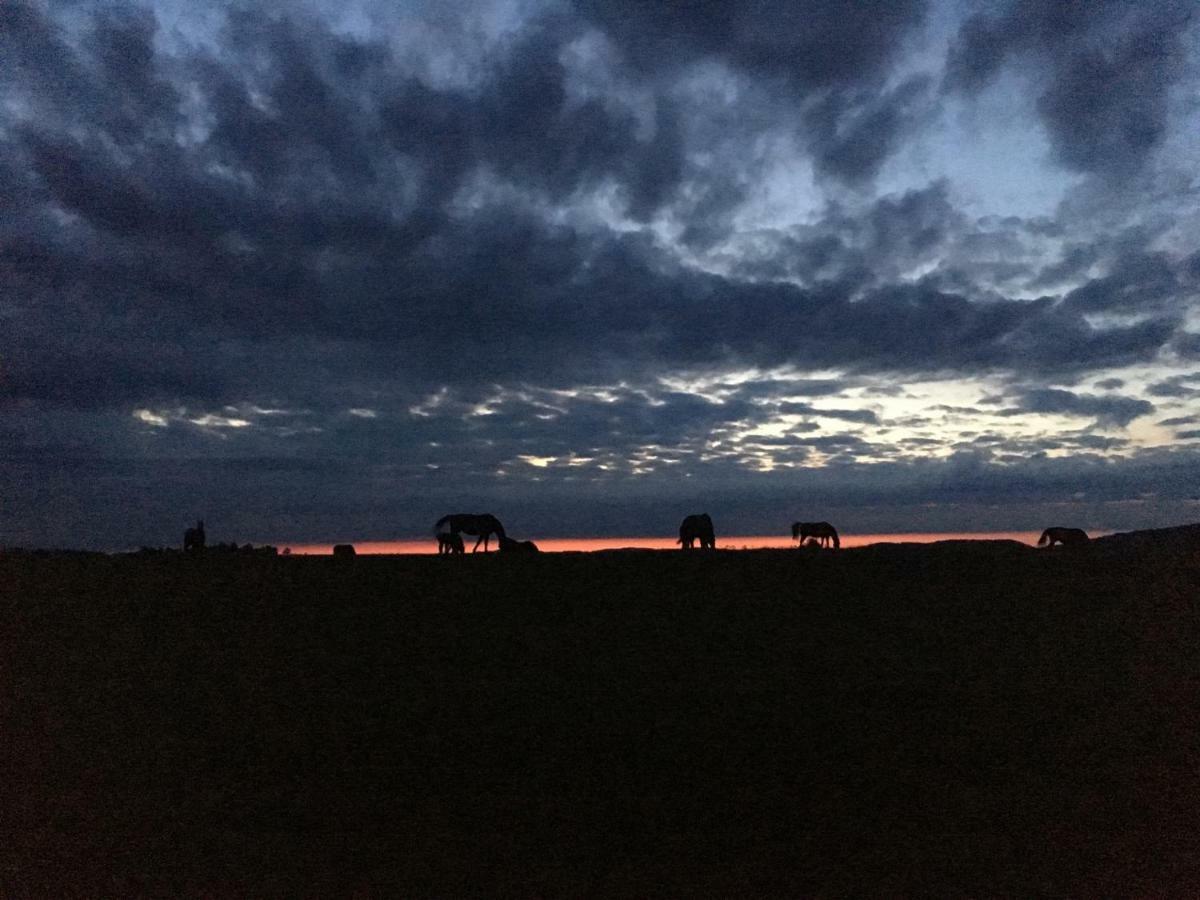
(1068, 537)
(450, 543)
(193, 538)
(344, 551)
(822, 531)
(697, 528)
(483, 525)
(508, 545)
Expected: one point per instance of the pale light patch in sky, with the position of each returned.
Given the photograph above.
(785, 194)
(430, 404)
(208, 420)
(144, 415)
(592, 72)
(993, 150)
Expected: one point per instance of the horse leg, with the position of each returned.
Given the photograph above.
(477, 543)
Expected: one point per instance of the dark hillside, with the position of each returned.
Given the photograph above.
(952, 718)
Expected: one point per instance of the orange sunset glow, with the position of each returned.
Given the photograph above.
(734, 542)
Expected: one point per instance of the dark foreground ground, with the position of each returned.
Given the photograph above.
(953, 719)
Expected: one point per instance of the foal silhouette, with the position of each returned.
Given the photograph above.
(697, 528)
(482, 524)
(1068, 537)
(450, 543)
(822, 531)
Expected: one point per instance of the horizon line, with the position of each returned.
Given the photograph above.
(428, 546)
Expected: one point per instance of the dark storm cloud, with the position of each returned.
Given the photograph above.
(1037, 447)
(797, 387)
(851, 134)
(1180, 420)
(839, 56)
(1187, 345)
(807, 44)
(313, 203)
(1135, 282)
(1177, 386)
(1106, 69)
(1074, 263)
(864, 416)
(878, 244)
(1107, 409)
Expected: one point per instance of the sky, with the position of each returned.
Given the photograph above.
(316, 271)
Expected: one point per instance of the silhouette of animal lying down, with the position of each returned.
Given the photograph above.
(1068, 537)
(343, 551)
(508, 545)
(822, 531)
(450, 543)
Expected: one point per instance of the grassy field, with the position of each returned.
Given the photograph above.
(948, 719)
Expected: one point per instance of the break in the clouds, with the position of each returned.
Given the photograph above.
(314, 270)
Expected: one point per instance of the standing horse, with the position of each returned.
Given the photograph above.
(1068, 537)
(697, 528)
(193, 538)
(822, 531)
(484, 525)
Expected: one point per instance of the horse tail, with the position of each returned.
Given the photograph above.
(837, 544)
(440, 522)
(1044, 538)
(795, 530)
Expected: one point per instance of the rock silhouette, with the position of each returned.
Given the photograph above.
(694, 528)
(482, 524)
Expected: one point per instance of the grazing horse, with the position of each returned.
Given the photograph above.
(508, 545)
(822, 531)
(697, 528)
(484, 525)
(1068, 537)
(193, 538)
(450, 543)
